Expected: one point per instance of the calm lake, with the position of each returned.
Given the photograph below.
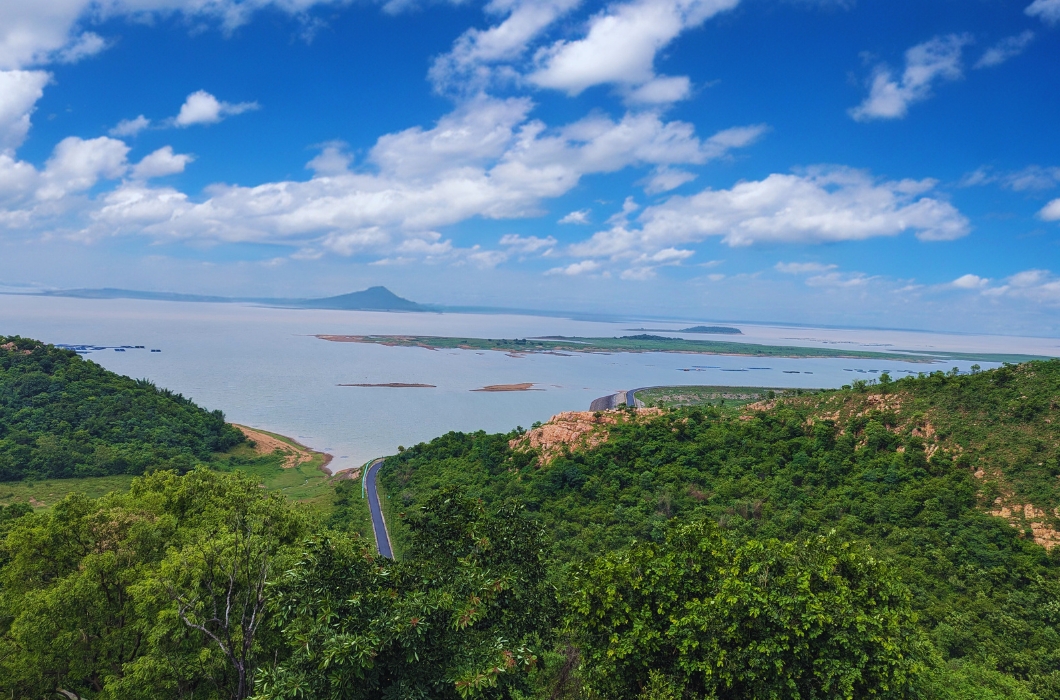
(264, 368)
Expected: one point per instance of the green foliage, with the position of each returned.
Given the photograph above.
(157, 592)
(62, 416)
(849, 461)
(464, 617)
(720, 617)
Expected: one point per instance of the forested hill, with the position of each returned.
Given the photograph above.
(64, 416)
(953, 479)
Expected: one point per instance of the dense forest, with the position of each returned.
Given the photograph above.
(892, 540)
(63, 416)
(917, 470)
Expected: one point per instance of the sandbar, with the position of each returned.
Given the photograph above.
(397, 385)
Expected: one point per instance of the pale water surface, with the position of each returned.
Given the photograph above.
(264, 368)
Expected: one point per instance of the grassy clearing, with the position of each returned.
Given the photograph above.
(721, 396)
(46, 493)
(305, 483)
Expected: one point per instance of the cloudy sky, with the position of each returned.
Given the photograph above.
(860, 162)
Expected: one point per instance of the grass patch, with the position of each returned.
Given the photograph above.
(720, 396)
(46, 493)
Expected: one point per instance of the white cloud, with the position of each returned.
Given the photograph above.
(1051, 211)
(838, 279)
(203, 108)
(925, 64)
(1046, 10)
(1007, 48)
(795, 268)
(526, 244)
(1033, 177)
(40, 31)
(576, 217)
(970, 281)
(19, 92)
(574, 269)
(332, 160)
(486, 258)
(160, 163)
(130, 127)
(620, 46)
(77, 164)
(471, 64)
(1039, 286)
(88, 44)
(664, 179)
(663, 90)
(822, 205)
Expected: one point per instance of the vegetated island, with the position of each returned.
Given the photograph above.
(718, 330)
(395, 385)
(525, 386)
(658, 343)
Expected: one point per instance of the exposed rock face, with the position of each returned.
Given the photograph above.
(573, 430)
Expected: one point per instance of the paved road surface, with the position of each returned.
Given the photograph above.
(606, 403)
(382, 537)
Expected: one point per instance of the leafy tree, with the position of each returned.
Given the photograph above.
(157, 592)
(464, 616)
(719, 617)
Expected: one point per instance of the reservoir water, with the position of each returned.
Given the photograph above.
(264, 368)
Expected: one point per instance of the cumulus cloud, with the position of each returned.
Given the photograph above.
(576, 217)
(160, 163)
(203, 108)
(332, 160)
(822, 205)
(1039, 286)
(1007, 48)
(130, 127)
(970, 281)
(87, 44)
(1046, 10)
(620, 46)
(1051, 211)
(795, 268)
(473, 61)
(575, 269)
(839, 279)
(19, 92)
(77, 164)
(925, 64)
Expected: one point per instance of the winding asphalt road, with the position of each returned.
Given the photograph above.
(382, 537)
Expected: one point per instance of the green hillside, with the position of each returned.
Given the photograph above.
(62, 416)
(952, 479)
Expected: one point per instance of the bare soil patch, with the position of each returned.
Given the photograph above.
(293, 455)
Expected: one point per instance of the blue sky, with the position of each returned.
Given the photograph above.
(850, 162)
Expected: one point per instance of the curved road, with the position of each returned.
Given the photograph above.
(606, 403)
(382, 537)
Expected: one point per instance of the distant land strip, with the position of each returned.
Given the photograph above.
(719, 330)
(396, 385)
(525, 386)
(656, 343)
